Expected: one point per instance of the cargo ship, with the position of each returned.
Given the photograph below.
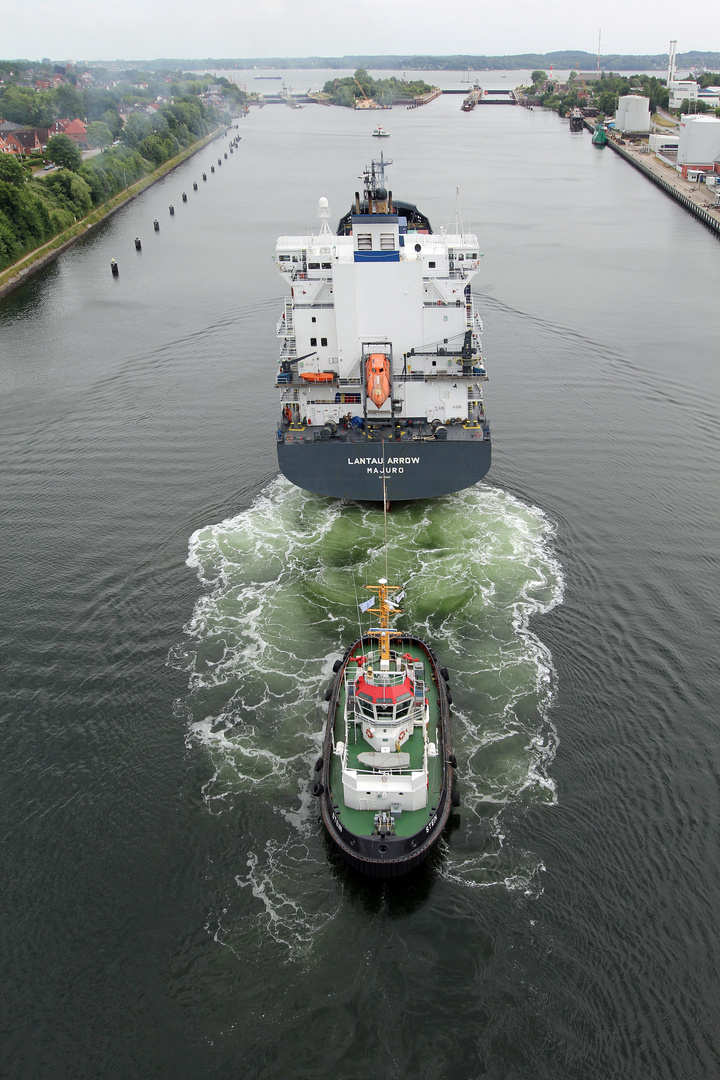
(381, 367)
(386, 774)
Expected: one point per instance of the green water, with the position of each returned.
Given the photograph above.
(279, 607)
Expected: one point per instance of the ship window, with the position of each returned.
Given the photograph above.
(295, 258)
(284, 258)
(327, 266)
(314, 266)
(472, 255)
(364, 241)
(387, 242)
(461, 258)
(313, 318)
(313, 341)
(403, 708)
(431, 265)
(323, 341)
(384, 712)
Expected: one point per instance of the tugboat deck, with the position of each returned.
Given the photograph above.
(409, 822)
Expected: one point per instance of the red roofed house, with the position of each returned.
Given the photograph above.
(74, 129)
(24, 142)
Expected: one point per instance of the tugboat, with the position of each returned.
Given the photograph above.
(599, 136)
(386, 771)
(381, 133)
(383, 292)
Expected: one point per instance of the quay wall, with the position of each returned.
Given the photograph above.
(708, 218)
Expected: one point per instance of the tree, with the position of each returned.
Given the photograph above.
(72, 190)
(137, 126)
(98, 134)
(63, 151)
(11, 171)
(69, 102)
(539, 77)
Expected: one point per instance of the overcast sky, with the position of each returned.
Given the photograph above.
(148, 29)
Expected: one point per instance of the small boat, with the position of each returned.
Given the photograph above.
(381, 133)
(599, 137)
(377, 373)
(386, 784)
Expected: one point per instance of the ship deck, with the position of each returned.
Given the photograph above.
(406, 433)
(408, 823)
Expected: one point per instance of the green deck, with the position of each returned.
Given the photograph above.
(409, 822)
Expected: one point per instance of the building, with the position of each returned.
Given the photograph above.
(23, 142)
(660, 143)
(633, 114)
(698, 143)
(74, 129)
(681, 90)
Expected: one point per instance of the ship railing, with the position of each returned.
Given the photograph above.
(286, 326)
(457, 303)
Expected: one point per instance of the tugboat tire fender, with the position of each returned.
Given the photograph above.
(455, 797)
(318, 789)
(319, 763)
(448, 693)
(328, 693)
(452, 760)
(445, 674)
(336, 666)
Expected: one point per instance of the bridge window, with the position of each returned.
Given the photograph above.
(313, 266)
(313, 341)
(323, 341)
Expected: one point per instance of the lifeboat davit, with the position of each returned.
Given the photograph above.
(377, 378)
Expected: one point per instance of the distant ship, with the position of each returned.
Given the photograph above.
(267, 76)
(381, 368)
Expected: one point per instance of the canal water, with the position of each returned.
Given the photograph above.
(172, 610)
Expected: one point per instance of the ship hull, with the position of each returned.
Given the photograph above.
(412, 470)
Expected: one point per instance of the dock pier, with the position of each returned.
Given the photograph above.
(671, 183)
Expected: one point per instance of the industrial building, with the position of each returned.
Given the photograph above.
(698, 143)
(633, 114)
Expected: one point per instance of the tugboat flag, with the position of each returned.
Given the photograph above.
(391, 603)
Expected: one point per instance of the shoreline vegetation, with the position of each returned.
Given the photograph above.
(136, 121)
(33, 261)
(362, 91)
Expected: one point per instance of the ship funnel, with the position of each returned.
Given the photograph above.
(357, 202)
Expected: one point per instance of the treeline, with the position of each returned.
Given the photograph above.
(603, 94)
(361, 86)
(23, 104)
(563, 59)
(32, 211)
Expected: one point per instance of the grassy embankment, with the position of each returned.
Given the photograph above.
(17, 273)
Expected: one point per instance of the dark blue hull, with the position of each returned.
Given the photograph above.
(413, 470)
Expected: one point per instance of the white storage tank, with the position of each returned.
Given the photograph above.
(699, 142)
(633, 113)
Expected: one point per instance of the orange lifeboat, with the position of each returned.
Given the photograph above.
(317, 376)
(377, 378)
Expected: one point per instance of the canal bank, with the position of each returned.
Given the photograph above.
(34, 261)
(692, 196)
